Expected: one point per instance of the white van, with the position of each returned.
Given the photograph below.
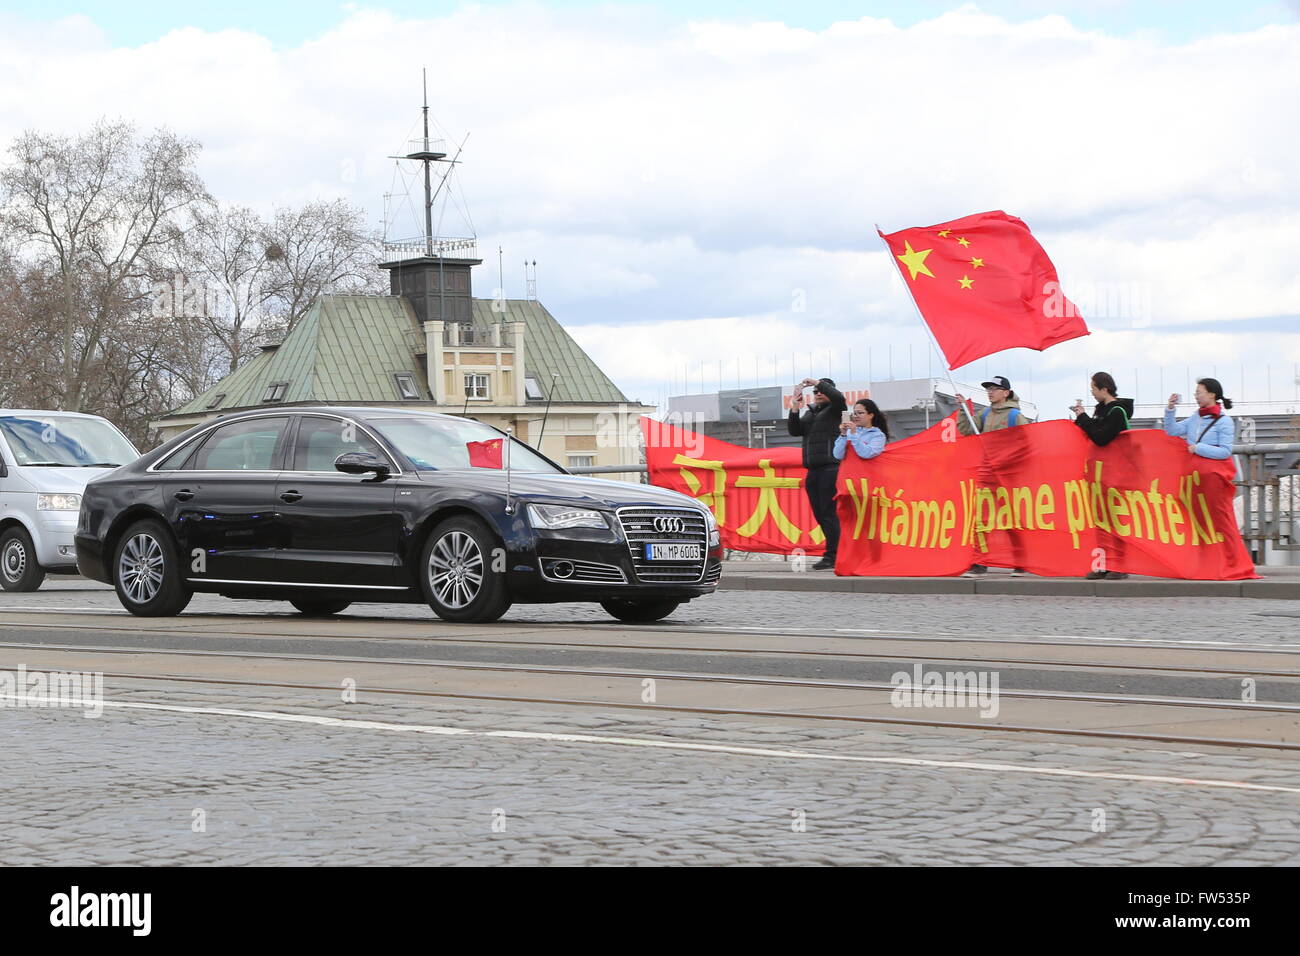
(46, 461)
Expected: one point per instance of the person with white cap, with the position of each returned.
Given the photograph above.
(1003, 412)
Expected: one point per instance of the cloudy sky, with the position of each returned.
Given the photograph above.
(698, 182)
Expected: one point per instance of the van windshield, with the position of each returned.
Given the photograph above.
(436, 443)
(59, 441)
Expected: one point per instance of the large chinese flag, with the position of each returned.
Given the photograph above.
(984, 284)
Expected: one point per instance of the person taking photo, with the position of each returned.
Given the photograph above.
(1209, 433)
(866, 431)
(818, 424)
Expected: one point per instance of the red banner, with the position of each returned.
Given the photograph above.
(756, 494)
(1043, 498)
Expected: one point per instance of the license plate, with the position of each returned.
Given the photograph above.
(671, 551)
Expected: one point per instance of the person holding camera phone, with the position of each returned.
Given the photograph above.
(865, 429)
(1209, 433)
(818, 423)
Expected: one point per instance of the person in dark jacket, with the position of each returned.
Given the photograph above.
(819, 426)
(1108, 419)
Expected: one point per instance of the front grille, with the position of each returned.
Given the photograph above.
(639, 527)
(584, 572)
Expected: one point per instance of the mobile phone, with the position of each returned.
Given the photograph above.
(846, 416)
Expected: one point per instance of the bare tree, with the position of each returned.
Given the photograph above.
(96, 205)
(216, 279)
(320, 248)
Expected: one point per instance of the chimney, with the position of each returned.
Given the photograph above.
(438, 288)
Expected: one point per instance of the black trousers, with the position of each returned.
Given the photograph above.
(820, 485)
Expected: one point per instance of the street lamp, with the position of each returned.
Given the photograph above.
(929, 404)
(748, 406)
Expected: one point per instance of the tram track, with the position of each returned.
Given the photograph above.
(819, 700)
(876, 652)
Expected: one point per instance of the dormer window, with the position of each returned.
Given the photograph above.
(532, 389)
(217, 399)
(476, 386)
(275, 392)
(406, 387)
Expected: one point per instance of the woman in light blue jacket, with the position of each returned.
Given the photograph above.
(867, 431)
(1210, 431)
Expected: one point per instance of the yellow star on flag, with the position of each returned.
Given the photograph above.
(963, 242)
(965, 282)
(943, 233)
(977, 263)
(915, 261)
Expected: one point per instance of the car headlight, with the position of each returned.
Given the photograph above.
(715, 536)
(58, 502)
(556, 517)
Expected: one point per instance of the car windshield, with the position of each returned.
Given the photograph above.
(62, 441)
(436, 443)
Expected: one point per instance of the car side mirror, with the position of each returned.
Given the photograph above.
(360, 462)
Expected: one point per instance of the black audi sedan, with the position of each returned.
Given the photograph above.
(323, 507)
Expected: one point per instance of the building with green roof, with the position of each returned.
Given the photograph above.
(506, 362)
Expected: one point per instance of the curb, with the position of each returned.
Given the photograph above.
(1024, 586)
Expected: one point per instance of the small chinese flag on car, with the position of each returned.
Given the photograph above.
(485, 454)
(984, 284)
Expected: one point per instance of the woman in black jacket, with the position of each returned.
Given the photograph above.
(1109, 418)
(819, 426)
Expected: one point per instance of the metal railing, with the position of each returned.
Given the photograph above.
(494, 336)
(1263, 517)
(401, 250)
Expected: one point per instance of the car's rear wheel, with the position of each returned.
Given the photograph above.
(640, 612)
(147, 572)
(457, 575)
(18, 568)
(320, 608)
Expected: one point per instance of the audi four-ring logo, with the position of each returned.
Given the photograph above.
(670, 525)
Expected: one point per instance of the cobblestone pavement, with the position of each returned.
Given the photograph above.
(129, 787)
(1247, 620)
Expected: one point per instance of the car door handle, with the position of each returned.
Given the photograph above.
(290, 497)
(183, 495)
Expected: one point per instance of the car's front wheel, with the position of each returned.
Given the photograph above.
(147, 572)
(640, 612)
(320, 608)
(18, 568)
(457, 573)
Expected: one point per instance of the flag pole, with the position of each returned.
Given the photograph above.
(510, 438)
(928, 331)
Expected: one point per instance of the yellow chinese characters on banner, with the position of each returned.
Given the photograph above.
(756, 495)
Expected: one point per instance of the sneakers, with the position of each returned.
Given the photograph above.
(975, 571)
(825, 564)
(1115, 575)
(1018, 572)
(1094, 575)
(1105, 575)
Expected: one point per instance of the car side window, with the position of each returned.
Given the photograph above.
(240, 446)
(321, 440)
(177, 458)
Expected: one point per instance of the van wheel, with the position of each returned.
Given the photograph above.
(146, 571)
(640, 612)
(456, 573)
(18, 568)
(320, 608)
